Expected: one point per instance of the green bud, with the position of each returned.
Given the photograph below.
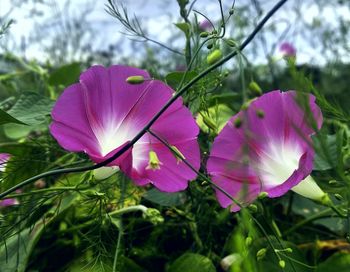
(255, 88)
(210, 45)
(253, 208)
(231, 43)
(261, 253)
(248, 241)
(282, 264)
(214, 56)
(214, 32)
(338, 196)
(204, 34)
(154, 216)
(135, 79)
(232, 10)
(289, 250)
(262, 195)
(226, 73)
(260, 113)
(238, 122)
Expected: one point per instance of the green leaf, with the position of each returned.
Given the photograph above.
(326, 152)
(337, 262)
(173, 79)
(32, 108)
(216, 116)
(190, 262)
(65, 75)
(165, 199)
(6, 118)
(185, 28)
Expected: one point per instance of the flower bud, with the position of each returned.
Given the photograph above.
(210, 45)
(253, 208)
(260, 113)
(214, 56)
(231, 42)
(237, 122)
(261, 253)
(262, 195)
(282, 263)
(248, 241)
(255, 88)
(338, 196)
(204, 34)
(135, 79)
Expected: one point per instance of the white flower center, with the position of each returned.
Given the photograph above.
(278, 163)
(112, 136)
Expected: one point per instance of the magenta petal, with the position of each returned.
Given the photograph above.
(4, 157)
(272, 153)
(8, 202)
(103, 112)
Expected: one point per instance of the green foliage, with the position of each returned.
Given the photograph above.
(97, 224)
(337, 262)
(6, 118)
(65, 75)
(192, 262)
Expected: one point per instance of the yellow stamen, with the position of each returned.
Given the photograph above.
(153, 162)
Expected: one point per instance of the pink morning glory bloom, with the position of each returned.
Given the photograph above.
(287, 50)
(266, 148)
(4, 157)
(103, 112)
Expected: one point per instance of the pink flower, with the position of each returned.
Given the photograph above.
(266, 148)
(287, 50)
(8, 202)
(103, 112)
(4, 157)
(205, 25)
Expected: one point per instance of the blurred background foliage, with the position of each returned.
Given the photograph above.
(74, 222)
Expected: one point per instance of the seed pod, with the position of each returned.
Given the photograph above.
(214, 56)
(135, 79)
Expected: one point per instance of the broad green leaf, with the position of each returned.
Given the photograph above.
(6, 118)
(326, 152)
(32, 108)
(65, 75)
(190, 262)
(337, 262)
(306, 207)
(165, 199)
(174, 79)
(185, 28)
